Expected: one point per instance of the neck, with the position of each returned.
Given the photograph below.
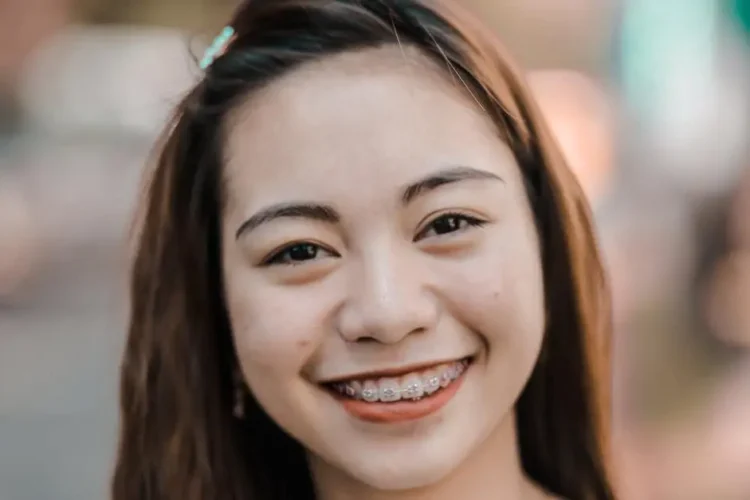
(492, 471)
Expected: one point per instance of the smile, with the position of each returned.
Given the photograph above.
(409, 396)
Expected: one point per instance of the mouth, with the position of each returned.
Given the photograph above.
(400, 397)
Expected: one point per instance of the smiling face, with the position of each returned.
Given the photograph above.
(381, 264)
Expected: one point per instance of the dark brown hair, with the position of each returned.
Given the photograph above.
(179, 440)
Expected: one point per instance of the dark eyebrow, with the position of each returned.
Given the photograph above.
(314, 211)
(447, 176)
(326, 213)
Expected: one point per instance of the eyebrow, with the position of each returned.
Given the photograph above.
(443, 177)
(326, 213)
(305, 210)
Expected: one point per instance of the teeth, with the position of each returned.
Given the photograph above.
(412, 386)
(445, 378)
(431, 382)
(356, 388)
(389, 390)
(370, 391)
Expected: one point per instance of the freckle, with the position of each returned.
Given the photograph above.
(303, 343)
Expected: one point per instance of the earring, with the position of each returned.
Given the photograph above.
(239, 401)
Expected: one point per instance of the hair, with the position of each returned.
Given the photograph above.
(178, 438)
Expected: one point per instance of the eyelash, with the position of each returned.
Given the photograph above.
(469, 222)
(282, 257)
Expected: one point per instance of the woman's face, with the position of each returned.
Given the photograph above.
(381, 264)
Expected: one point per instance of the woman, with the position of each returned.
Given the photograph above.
(363, 271)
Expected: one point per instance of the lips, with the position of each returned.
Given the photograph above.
(409, 396)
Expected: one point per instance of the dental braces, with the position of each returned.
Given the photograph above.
(414, 390)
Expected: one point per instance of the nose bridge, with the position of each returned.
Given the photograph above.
(389, 297)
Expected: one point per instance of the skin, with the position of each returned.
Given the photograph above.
(389, 283)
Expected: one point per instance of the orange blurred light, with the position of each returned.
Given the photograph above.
(582, 120)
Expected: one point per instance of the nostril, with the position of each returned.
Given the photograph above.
(369, 339)
(366, 340)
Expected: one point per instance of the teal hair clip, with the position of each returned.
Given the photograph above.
(218, 47)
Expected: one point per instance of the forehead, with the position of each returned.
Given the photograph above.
(354, 124)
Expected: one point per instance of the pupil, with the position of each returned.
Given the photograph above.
(447, 225)
(303, 252)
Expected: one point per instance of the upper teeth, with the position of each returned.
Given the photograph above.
(410, 386)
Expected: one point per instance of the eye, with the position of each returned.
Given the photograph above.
(447, 224)
(298, 253)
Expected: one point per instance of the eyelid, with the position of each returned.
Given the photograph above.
(474, 220)
(267, 260)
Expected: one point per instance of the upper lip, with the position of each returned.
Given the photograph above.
(391, 372)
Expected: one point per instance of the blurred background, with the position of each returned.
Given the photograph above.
(650, 100)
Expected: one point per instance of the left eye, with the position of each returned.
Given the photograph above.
(448, 223)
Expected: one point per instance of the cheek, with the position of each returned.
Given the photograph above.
(500, 294)
(275, 332)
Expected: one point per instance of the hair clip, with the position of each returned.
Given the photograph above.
(218, 47)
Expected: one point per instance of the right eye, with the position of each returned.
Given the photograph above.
(298, 253)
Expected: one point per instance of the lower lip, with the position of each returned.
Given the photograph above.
(401, 411)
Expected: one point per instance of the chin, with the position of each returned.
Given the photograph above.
(404, 472)
(411, 458)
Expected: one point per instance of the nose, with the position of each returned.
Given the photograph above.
(389, 298)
